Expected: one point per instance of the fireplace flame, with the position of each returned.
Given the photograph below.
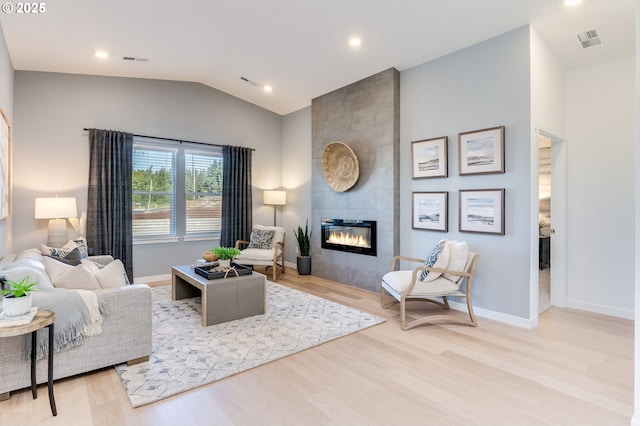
(347, 239)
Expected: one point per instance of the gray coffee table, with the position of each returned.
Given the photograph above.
(223, 300)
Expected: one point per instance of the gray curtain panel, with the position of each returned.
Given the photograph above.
(109, 210)
(237, 206)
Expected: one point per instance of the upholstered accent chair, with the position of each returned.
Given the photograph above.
(440, 276)
(265, 248)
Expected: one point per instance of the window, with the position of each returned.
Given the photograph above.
(177, 191)
(203, 190)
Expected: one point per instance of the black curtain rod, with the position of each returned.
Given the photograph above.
(174, 140)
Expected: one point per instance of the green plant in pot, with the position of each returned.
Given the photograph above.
(17, 296)
(226, 255)
(304, 259)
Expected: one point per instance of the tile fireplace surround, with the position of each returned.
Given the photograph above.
(366, 116)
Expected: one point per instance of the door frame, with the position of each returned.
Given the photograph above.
(558, 225)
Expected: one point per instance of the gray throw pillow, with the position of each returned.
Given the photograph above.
(74, 257)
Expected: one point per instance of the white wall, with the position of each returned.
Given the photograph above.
(601, 121)
(636, 383)
(482, 86)
(6, 103)
(52, 150)
(296, 175)
(548, 105)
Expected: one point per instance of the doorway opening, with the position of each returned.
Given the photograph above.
(544, 223)
(549, 222)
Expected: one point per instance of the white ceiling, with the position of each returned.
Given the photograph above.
(300, 47)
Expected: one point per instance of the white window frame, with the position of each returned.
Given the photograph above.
(178, 223)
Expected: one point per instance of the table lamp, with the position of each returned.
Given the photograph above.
(57, 210)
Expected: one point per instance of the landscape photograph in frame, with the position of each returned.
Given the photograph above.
(429, 158)
(481, 151)
(430, 211)
(482, 211)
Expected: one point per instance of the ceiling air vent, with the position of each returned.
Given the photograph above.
(246, 80)
(589, 38)
(132, 58)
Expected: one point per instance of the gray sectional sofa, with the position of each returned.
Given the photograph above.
(125, 337)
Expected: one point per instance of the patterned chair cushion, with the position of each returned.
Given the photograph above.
(261, 239)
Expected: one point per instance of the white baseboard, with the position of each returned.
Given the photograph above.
(151, 278)
(479, 312)
(601, 309)
(496, 316)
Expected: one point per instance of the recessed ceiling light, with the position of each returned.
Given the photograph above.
(102, 54)
(572, 2)
(355, 41)
(267, 88)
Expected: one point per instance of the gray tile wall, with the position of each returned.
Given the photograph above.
(366, 116)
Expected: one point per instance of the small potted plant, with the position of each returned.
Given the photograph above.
(226, 255)
(17, 296)
(303, 260)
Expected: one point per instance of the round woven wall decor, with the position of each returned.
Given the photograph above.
(340, 166)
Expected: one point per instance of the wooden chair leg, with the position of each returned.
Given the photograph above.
(282, 262)
(403, 312)
(474, 323)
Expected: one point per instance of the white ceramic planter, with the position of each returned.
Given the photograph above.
(14, 306)
(224, 263)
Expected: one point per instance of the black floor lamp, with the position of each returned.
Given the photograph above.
(274, 198)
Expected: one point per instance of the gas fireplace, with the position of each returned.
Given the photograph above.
(354, 236)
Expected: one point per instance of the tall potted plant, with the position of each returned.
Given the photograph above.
(304, 259)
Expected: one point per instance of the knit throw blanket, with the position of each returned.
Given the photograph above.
(79, 313)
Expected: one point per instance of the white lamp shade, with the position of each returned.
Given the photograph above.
(56, 208)
(275, 198)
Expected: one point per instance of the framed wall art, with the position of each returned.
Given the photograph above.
(482, 211)
(430, 211)
(429, 158)
(5, 141)
(481, 151)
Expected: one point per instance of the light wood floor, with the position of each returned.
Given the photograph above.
(576, 368)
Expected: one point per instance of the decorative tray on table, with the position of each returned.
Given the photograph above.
(215, 272)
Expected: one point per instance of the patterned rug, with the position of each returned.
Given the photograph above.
(186, 355)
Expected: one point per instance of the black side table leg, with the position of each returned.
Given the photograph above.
(34, 391)
(52, 400)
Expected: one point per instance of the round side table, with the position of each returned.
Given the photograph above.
(42, 319)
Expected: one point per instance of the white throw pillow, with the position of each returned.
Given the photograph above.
(78, 277)
(458, 253)
(111, 275)
(54, 268)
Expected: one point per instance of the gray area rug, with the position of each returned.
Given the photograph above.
(186, 355)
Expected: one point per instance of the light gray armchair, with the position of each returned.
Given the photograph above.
(265, 248)
(441, 280)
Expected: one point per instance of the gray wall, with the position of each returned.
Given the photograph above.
(51, 150)
(485, 85)
(365, 116)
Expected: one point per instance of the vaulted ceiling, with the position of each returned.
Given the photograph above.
(298, 47)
